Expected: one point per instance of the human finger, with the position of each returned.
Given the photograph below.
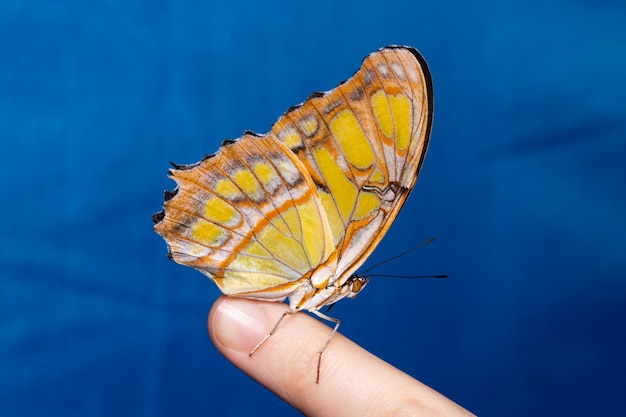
(353, 382)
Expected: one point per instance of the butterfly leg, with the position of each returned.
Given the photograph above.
(319, 357)
(267, 336)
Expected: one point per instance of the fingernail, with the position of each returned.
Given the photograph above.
(239, 324)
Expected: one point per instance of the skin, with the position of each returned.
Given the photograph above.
(353, 382)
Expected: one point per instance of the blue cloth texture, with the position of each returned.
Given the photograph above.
(524, 189)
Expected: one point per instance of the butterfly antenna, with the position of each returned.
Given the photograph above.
(424, 243)
(408, 276)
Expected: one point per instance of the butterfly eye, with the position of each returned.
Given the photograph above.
(356, 285)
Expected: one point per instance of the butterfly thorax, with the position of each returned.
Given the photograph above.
(307, 297)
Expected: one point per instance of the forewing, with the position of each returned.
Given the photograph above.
(363, 144)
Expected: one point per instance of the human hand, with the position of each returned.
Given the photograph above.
(353, 382)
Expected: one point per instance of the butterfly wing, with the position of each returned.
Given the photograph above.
(363, 144)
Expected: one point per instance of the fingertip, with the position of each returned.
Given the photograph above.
(287, 362)
(238, 325)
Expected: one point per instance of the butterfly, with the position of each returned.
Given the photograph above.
(292, 214)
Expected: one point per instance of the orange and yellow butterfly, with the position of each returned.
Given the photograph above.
(295, 212)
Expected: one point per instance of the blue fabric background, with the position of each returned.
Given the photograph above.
(524, 188)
